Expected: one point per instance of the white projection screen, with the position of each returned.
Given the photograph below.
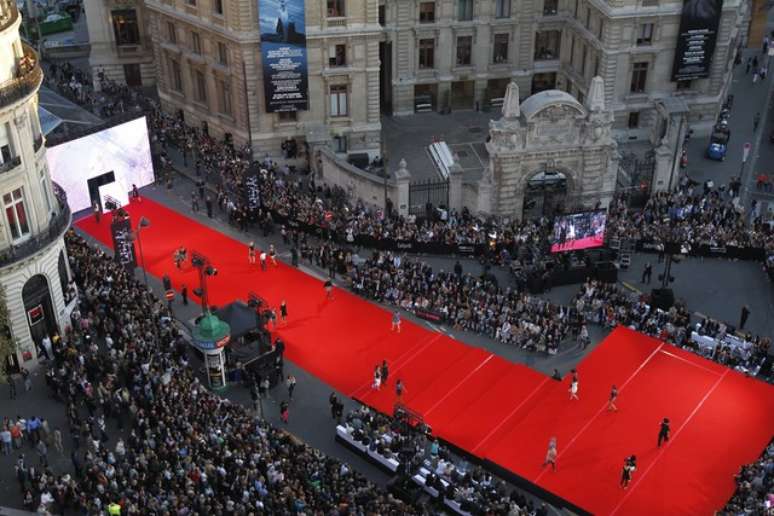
(119, 154)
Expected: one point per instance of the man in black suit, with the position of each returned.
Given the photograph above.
(664, 431)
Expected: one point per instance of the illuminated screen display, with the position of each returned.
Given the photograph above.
(577, 231)
(120, 154)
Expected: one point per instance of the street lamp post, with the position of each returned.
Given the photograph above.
(143, 223)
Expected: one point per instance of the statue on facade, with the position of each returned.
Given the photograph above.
(511, 101)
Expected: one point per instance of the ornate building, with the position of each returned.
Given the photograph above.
(462, 54)
(119, 35)
(551, 151)
(33, 261)
(210, 72)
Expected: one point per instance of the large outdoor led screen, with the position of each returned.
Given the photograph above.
(578, 231)
(120, 153)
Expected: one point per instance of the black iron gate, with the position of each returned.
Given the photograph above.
(425, 196)
(636, 176)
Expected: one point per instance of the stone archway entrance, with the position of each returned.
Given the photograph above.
(545, 194)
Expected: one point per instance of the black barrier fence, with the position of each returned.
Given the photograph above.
(707, 251)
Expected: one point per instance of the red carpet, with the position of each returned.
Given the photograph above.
(498, 410)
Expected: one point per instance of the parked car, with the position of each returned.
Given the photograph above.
(718, 146)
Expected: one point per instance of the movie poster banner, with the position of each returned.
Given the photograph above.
(123, 243)
(283, 49)
(696, 39)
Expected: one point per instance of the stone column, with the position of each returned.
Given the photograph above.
(486, 193)
(665, 164)
(402, 181)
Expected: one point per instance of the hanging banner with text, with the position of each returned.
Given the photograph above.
(696, 39)
(283, 50)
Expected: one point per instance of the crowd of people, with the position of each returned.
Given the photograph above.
(148, 436)
(754, 487)
(708, 217)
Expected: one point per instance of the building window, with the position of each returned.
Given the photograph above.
(338, 96)
(337, 55)
(572, 51)
(684, 85)
(125, 27)
(596, 65)
(634, 120)
(5, 152)
(196, 43)
(176, 77)
(44, 189)
(639, 77)
(503, 9)
(224, 97)
(172, 33)
(217, 6)
(600, 28)
(547, 45)
(584, 56)
(575, 11)
(16, 214)
(464, 50)
(201, 86)
(190, 2)
(550, 7)
(426, 53)
(287, 116)
(222, 53)
(427, 12)
(336, 9)
(340, 143)
(464, 10)
(645, 36)
(382, 14)
(588, 18)
(500, 48)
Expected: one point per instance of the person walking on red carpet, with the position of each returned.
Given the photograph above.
(385, 372)
(629, 467)
(395, 321)
(328, 289)
(399, 389)
(611, 401)
(551, 454)
(574, 386)
(273, 255)
(664, 431)
(284, 312)
(377, 378)
(251, 253)
(262, 257)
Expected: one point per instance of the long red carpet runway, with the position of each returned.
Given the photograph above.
(499, 411)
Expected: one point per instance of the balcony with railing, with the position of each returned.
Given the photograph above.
(29, 75)
(8, 13)
(56, 227)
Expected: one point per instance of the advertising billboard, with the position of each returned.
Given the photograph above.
(283, 50)
(696, 39)
(120, 154)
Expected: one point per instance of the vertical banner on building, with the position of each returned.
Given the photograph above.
(123, 243)
(283, 49)
(696, 39)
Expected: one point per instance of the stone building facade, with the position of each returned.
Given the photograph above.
(120, 42)
(210, 72)
(34, 270)
(459, 54)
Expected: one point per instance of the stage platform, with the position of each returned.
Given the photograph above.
(496, 410)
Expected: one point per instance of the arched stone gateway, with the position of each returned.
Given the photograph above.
(550, 153)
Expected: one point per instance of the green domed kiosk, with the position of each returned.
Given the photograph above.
(210, 336)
